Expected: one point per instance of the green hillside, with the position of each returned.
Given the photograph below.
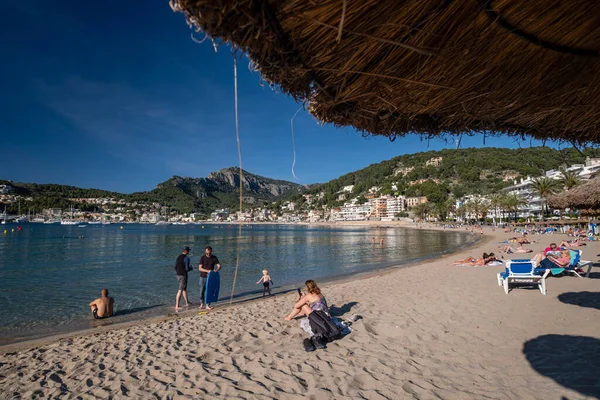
(184, 195)
(460, 172)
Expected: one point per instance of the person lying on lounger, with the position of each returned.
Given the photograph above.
(553, 261)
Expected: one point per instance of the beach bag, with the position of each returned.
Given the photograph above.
(323, 328)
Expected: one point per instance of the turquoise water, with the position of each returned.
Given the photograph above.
(48, 275)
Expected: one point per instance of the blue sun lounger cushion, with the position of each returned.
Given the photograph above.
(521, 271)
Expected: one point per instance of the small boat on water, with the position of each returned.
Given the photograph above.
(69, 222)
(163, 223)
(52, 221)
(21, 220)
(94, 223)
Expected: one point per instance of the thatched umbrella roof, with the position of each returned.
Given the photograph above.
(586, 196)
(520, 67)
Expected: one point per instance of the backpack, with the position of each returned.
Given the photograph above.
(322, 326)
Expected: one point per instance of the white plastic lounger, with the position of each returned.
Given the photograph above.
(522, 271)
(578, 263)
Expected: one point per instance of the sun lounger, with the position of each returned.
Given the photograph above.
(578, 263)
(522, 271)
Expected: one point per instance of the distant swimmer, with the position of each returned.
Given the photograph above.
(102, 307)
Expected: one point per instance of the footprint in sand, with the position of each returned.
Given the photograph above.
(369, 328)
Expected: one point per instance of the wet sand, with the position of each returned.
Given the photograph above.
(429, 331)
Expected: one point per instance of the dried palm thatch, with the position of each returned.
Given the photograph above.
(582, 197)
(520, 67)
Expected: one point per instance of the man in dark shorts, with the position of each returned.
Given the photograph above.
(182, 266)
(208, 262)
(102, 307)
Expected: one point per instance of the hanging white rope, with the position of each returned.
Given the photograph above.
(239, 146)
(294, 143)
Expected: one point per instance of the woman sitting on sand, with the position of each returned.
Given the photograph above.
(309, 302)
(471, 261)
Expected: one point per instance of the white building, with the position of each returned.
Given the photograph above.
(395, 205)
(220, 215)
(524, 189)
(5, 189)
(150, 217)
(355, 212)
(315, 215)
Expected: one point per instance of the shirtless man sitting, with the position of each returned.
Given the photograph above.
(102, 307)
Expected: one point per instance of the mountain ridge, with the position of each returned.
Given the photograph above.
(434, 174)
(220, 189)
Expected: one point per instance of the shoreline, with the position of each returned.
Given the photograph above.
(429, 330)
(108, 324)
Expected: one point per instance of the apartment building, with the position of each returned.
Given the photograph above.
(413, 201)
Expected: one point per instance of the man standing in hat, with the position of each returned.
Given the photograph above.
(182, 266)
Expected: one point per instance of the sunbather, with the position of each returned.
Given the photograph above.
(471, 261)
(519, 249)
(571, 243)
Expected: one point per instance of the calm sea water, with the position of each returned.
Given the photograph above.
(48, 275)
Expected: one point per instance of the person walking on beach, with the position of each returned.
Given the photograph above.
(208, 262)
(102, 307)
(182, 266)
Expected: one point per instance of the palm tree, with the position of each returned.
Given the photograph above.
(443, 208)
(569, 179)
(497, 201)
(512, 203)
(422, 210)
(544, 187)
(477, 206)
(462, 211)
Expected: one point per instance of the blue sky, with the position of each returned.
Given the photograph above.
(119, 97)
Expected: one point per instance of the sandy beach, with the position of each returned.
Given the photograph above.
(427, 331)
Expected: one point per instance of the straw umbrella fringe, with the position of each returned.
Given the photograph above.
(582, 197)
(518, 67)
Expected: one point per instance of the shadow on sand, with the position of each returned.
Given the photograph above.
(339, 311)
(581, 299)
(571, 361)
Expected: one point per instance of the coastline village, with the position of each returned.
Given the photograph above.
(370, 206)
